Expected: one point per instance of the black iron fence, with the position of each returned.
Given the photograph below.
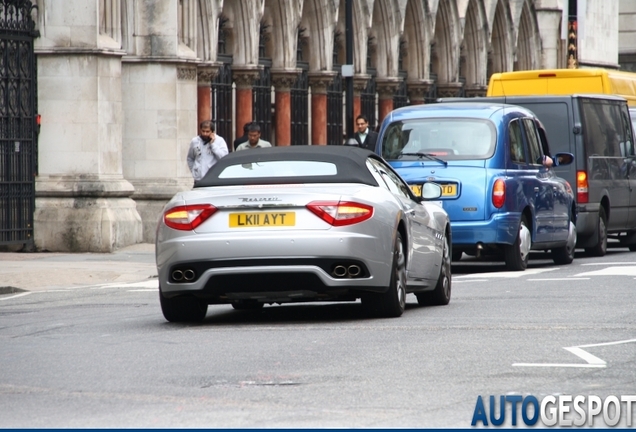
(300, 107)
(368, 103)
(262, 100)
(222, 102)
(335, 111)
(18, 129)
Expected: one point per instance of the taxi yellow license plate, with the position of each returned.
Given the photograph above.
(447, 189)
(262, 219)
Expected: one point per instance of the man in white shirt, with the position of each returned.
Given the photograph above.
(253, 139)
(206, 149)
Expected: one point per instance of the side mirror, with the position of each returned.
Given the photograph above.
(431, 191)
(563, 158)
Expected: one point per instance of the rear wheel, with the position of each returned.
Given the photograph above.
(183, 308)
(600, 249)
(441, 295)
(516, 255)
(457, 255)
(565, 254)
(391, 303)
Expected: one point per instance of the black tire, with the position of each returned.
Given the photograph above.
(391, 304)
(441, 295)
(515, 260)
(457, 255)
(247, 305)
(565, 254)
(632, 248)
(183, 308)
(600, 249)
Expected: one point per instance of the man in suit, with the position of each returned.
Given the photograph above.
(365, 137)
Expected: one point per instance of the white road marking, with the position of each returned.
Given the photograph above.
(609, 263)
(471, 280)
(16, 296)
(559, 279)
(611, 271)
(145, 290)
(592, 360)
(508, 274)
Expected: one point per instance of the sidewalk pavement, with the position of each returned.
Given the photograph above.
(51, 270)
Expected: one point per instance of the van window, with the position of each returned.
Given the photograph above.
(517, 154)
(602, 127)
(627, 143)
(534, 143)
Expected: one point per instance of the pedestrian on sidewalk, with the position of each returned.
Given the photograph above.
(365, 137)
(242, 139)
(206, 149)
(253, 138)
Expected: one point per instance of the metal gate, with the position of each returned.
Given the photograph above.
(335, 111)
(222, 102)
(300, 108)
(368, 101)
(18, 130)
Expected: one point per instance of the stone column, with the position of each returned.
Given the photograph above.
(83, 202)
(205, 75)
(386, 90)
(418, 90)
(359, 84)
(319, 82)
(283, 81)
(549, 23)
(244, 78)
(451, 89)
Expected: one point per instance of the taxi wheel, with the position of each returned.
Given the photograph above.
(183, 308)
(516, 255)
(600, 249)
(565, 254)
(441, 295)
(391, 304)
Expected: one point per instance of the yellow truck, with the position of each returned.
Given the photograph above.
(564, 82)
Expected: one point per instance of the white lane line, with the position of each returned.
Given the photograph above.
(508, 274)
(611, 271)
(608, 263)
(16, 296)
(145, 290)
(592, 360)
(558, 365)
(471, 281)
(559, 279)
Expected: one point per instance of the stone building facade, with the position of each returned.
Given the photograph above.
(122, 84)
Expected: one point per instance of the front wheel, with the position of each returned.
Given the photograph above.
(391, 304)
(516, 255)
(441, 295)
(183, 308)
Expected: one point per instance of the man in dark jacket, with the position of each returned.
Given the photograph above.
(241, 140)
(365, 137)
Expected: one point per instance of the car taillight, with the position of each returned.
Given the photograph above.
(188, 217)
(339, 213)
(582, 196)
(499, 193)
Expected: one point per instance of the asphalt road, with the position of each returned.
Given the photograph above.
(94, 357)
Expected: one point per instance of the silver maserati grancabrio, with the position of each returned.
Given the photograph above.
(302, 224)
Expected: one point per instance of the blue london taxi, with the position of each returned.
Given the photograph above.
(495, 168)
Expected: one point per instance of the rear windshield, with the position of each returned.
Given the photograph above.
(448, 139)
(276, 169)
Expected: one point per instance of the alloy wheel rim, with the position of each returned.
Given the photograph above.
(400, 276)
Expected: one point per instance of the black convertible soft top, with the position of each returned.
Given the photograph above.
(350, 164)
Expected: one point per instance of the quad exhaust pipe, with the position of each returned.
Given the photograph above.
(183, 275)
(350, 271)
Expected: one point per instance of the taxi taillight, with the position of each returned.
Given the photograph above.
(499, 193)
(582, 195)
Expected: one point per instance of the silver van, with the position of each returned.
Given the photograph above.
(597, 129)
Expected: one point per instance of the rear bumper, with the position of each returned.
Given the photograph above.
(272, 267)
(502, 228)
